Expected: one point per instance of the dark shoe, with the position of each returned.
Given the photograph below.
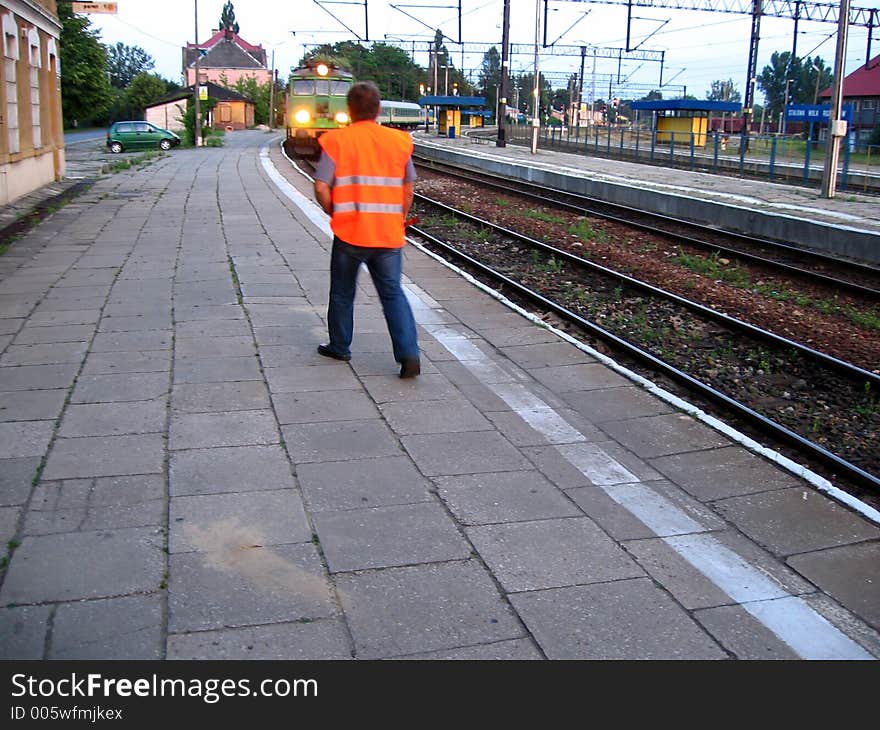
(327, 352)
(410, 367)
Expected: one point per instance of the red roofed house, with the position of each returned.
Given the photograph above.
(226, 58)
(861, 90)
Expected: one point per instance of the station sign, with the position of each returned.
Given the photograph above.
(814, 113)
(81, 8)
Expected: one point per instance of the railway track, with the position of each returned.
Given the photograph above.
(760, 388)
(858, 278)
(792, 392)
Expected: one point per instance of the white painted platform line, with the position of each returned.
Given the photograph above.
(806, 632)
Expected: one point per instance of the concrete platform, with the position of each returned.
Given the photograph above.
(846, 225)
(182, 476)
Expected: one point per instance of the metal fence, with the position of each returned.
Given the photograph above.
(770, 157)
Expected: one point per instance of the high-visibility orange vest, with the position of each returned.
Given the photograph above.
(367, 189)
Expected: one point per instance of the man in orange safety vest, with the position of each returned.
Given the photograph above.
(364, 182)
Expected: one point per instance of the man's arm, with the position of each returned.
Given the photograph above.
(324, 197)
(407, 198)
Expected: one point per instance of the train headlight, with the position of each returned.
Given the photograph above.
(322, 69)
(302, 116)
(341, 118)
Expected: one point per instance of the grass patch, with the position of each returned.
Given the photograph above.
(583, 230)
(541, 215)
(714, 267)
(869, 320)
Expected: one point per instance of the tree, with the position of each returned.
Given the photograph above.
(389, 67)
(723, 91)
(490, 77)
(144, 90)
(227, 18)
(125, 62)
(805, 78)
(85, 90)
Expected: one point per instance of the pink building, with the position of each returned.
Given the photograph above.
(226, 59)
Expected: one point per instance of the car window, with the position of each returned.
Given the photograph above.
(142, 127)
(339, 88)
(304, 88)
(124, 127)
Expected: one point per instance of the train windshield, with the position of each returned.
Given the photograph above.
(321, 87)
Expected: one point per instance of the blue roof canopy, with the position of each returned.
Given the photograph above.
(453, 101)
(690, 105)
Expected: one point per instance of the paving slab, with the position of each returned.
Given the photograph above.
(44, 354)
(654, 436)
(622, 620)
(511, 650)
(19, 439)
(216, 370)
(471, 452)
(23, 632)
(135, 322)
(16, 479)
(514, 496)
(671, 510)
(427, 387)
(313, 640)
(76, 565)
(616, 404)
(235, 469)
(796, 520)
(98, 456)
(236, 428)
(339, 441)
(270, 517)
(850, 574)
(375, 482)
(444, 416)
(37, 377)
(227, 584)
(32, 405)
(328, 405)
(210, 347)
(383, 537)
(527, 556)
(247, 395)
(120, 387)
(108, 503)
(301, 378)
(570, 378)
(114, 419)
(41, 335)
(130, 627)
(148, 361)
(400, 611)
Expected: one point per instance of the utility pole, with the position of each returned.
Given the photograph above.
(836, 123)
(197, 131)
(536, 118)
(501, 112)
(272, 93)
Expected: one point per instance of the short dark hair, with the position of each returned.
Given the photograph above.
(363, 101)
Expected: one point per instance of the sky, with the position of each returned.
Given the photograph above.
(698, 47)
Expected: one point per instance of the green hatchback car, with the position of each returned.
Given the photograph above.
(139, 135)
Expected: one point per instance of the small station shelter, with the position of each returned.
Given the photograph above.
(453, 111)
(684, 119)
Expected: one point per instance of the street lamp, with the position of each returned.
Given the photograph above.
(197, 127)
(785, 104)
(818, 70)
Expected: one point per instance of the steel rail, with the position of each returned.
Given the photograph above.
(834, 363)
(762, 422)
(495, 182)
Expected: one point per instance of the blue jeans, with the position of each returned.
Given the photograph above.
(385, 266)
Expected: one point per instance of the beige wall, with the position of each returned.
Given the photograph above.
(39, 159)
(228, 76)
(235, 114)
(168, 116)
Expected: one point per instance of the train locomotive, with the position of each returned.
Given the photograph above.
(316, 103)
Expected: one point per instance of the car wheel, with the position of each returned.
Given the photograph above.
(116, 147)
(165, 144)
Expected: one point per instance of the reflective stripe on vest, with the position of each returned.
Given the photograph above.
(383, 182)
(367, 208)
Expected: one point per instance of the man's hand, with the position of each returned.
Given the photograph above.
(324, 196)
